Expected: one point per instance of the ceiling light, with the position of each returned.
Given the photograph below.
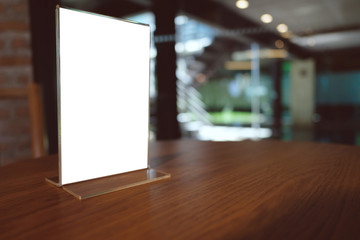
(266, 18)
(242, 4)
(282, 28)
(279, 43)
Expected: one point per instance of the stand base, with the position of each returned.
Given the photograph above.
(100, 186)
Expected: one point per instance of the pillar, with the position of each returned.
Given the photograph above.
(167, 126)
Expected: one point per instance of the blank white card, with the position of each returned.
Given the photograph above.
(103, 95)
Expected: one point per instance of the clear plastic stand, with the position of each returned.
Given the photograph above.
(100, 186)
(103, 104)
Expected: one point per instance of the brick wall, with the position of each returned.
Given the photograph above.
(15, 72)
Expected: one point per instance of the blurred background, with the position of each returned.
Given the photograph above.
(221, 70)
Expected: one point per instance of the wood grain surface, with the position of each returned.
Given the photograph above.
(218, 190)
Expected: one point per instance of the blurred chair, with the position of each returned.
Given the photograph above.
(33, 93)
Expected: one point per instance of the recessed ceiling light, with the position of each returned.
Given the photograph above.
(266, 18)
(242, 4)
(279, 43)
(282, 28)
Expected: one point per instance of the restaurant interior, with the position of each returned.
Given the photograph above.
(220, 70)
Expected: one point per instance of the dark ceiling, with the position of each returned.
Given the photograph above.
(327, 30)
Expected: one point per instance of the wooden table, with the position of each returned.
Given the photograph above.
(218, 190)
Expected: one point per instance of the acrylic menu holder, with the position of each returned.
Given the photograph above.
(103, 104)
(100, 186)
